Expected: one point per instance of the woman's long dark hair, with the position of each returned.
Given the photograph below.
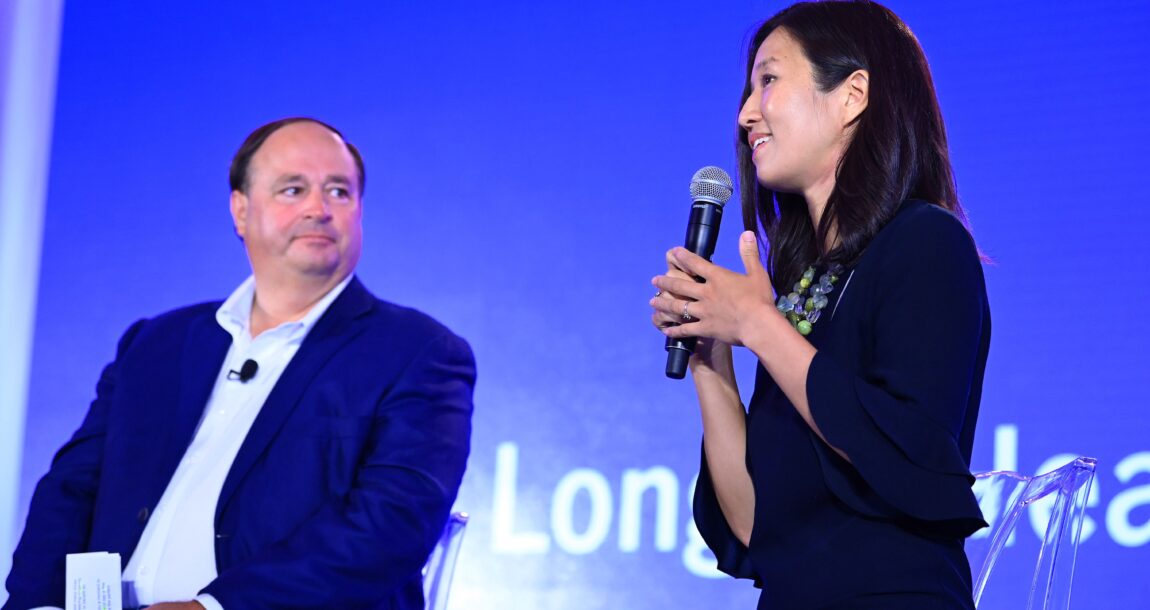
(898, 150)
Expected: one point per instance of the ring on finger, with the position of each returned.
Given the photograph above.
(686, 314)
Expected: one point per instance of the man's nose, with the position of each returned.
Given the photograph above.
(318, 205)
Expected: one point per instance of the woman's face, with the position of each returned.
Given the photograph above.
(795, 131)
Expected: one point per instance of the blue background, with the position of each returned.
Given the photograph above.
(527, 166)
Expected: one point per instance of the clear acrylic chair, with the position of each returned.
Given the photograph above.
(1004, 497)
(440, 566)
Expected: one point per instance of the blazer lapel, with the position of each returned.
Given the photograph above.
(204, 350)
(332, 331)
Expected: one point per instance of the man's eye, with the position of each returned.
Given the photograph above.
(292, 191)
(339, 191)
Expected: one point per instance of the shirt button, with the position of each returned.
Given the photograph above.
(143, 515)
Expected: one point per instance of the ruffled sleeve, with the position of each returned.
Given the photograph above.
(729, 551)
(902, 412)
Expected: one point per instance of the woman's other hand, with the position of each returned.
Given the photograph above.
(668, 312)
(728, 307)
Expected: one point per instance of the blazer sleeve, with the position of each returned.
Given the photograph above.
(730, 553)
(373, 540)
(60, 515)
(900, 414)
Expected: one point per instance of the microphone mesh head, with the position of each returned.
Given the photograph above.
(711, 184)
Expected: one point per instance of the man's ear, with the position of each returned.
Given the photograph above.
(856, 89)
(239, 207)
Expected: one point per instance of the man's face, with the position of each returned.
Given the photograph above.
(300, 217)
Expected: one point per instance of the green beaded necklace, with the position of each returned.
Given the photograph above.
(803, 313)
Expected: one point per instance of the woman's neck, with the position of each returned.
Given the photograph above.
(816, 197)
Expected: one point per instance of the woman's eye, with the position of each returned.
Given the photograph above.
(766, 79)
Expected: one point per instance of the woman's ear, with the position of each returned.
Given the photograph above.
(856, 95)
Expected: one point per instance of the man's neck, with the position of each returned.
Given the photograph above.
(276, 302)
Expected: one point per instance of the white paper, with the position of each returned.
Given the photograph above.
(93, 581)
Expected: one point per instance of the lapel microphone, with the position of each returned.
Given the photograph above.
(246, 372)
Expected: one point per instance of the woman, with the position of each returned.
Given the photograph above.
(846, 483)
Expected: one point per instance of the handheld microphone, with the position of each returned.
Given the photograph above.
(246, 372)
(710, 190)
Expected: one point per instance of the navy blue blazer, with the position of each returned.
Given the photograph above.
(338, 493)
(896, 384)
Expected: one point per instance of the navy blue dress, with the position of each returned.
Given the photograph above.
(896, 385)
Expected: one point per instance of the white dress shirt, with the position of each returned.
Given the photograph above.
(176, 556)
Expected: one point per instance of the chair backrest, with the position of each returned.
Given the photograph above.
(440, 566)
(1004, 497)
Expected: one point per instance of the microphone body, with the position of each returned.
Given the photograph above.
(247, 371)
(702, 235)
(710, 188)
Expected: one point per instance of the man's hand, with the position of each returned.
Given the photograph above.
(192, 605)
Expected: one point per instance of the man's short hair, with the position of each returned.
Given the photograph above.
(238, 175)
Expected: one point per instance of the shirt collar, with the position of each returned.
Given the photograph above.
(234, 315)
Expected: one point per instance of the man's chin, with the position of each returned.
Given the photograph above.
(318, 269)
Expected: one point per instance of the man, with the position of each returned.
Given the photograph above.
(297, 446)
